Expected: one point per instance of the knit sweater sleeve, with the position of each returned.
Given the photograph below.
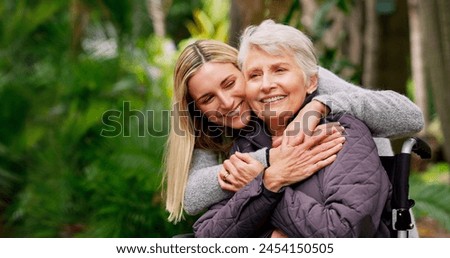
(202, 188)
(386, 113)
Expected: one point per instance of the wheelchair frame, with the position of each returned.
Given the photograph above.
(398, 170)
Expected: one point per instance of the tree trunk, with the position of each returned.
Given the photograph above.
(244, 13)
(355, 30)
(252, 12)
(157, 15)
(309, 9)
(394, 49)
(371, 45)
(436, 28)
(79, 19)
(417, 62)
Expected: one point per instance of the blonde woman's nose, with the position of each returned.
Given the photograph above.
(226, 101)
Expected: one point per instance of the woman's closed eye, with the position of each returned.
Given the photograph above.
(280, 69)
(206, 99)
(253, 75)
(229, 84)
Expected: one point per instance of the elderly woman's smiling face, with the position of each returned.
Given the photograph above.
(276, 85)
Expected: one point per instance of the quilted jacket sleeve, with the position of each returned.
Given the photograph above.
(241, 216)
(354, 191)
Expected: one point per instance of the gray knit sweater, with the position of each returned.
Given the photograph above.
(386, 113)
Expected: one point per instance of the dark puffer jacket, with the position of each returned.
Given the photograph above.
(345, 199)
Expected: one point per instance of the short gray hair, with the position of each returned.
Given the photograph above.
(274, 38)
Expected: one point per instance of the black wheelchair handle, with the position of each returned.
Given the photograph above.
(418, 146)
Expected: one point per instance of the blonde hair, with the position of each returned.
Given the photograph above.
(188, 129)
(274, 38)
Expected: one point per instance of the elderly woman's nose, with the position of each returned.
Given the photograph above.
(266, 82)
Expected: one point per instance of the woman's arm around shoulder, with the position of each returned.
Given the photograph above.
(202, 189)
(386, 113)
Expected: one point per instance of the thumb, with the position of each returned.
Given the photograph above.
(276, 142)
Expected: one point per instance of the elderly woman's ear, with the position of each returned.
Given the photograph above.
(313, 83)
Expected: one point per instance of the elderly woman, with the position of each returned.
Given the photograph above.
(344, 199)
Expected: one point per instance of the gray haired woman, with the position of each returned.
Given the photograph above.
(345, 199)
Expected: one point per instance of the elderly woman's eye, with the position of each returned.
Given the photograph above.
(253, 75)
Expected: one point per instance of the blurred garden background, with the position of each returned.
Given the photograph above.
(69, 170)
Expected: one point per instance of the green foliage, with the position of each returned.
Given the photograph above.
(122, 190)
(20, 19)
(321, 22)
(211, 21)
(330, 59)
(431, 193)
(59, 177)
(181, 10)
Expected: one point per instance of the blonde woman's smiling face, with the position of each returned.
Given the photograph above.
(218, 90)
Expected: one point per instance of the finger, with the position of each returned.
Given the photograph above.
(276, 142)
(293, 140)
(318, 149)
(315, 166)
(294, 130)
(311, 121)
(239, 166)
(230, 188)
(234, 158)
(226, 185)
(318, 165)
(227, 164)
(231, 169)
(329, 128)
(239, 163)
(246, 161)
(230, 166)
(314, 140)
(327, 153)
(333, 137)
(284, 141)
(298, 139)
(245, 157)
(293, 127)
(247, 168)
(223, 175)
(325, 162)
